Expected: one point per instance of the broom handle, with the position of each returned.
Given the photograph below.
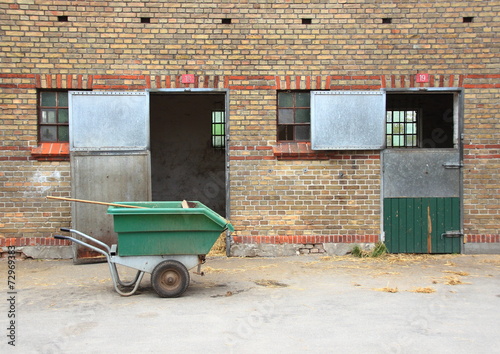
(94, 202)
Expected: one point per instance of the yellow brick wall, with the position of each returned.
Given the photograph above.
(104, 46)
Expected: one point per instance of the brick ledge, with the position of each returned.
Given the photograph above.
(298, 150)
(51, 151)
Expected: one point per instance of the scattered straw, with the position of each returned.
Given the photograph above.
(352, 267)
(463, 274)
(311, 263)
(491, 261)
(386, 273)
(262, 267)
(208, 270)
(387, 290)
(423, 290)
(453, 281)
(407, 258)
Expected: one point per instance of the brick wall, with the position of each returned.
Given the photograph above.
(278, 193)
(482, 164)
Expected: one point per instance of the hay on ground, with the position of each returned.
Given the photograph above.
(387, 290)
(427, 290)
(453, 281)
(463, 274)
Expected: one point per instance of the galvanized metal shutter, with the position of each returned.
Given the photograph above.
(110, 161)
(108, 121)
(347, 120)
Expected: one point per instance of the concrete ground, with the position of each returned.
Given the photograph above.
(302, 304)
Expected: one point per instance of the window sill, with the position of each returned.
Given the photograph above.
(51, 152)
(298, 151)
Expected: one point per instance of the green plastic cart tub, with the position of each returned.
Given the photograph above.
(166, 228)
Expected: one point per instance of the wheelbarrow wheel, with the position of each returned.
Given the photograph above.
(170, 279)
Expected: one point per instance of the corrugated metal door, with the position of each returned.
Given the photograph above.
(110, 159)
(420, 225)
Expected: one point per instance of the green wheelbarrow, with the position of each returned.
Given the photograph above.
(165, 239)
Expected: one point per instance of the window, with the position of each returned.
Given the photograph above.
(218, 129)
(294, 116)
(53, 116)
(401, 128)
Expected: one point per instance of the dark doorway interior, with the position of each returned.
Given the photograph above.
(421, 120)
(188, 148)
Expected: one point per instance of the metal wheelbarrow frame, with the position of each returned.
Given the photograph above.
(169, 273)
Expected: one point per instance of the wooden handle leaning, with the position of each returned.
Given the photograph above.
(94, 202)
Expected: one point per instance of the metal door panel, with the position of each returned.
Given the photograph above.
(421, 173)
(110, 161)
(347, 120)
(106, 178)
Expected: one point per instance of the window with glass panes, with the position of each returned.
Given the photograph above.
(218, 129)
(294, 116)
(53, 116)
(401, 129)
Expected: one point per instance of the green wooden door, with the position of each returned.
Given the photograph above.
(417, 225)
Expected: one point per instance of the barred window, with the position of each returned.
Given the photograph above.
(218, 129)
(401, 129)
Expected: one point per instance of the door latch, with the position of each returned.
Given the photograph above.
(454, 233)
(453, 165)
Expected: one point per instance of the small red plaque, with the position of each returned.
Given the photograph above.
(422, 78)
(187, 79)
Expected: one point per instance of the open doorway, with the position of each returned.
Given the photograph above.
(188, 147)
(421, 172)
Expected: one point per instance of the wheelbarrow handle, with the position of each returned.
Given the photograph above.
(112, 266)
(59, 237)
(102, 244)
(72, 239)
